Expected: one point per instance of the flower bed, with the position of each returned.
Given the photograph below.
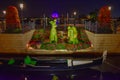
(40, 40)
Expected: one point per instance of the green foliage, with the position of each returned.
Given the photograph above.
(79, 47)
(41, 30)
(48, 46)
(52, 46)
(53, 32)
(11, 61)
(38, 35)
(60, 46)
(29, 61)
(93, 16)
(43, 45)
(81, 41)
(35, 36)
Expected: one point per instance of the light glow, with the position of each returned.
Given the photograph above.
(75, 13)
(4, 12)
(109, 8)
(21, 5)
(55, 15)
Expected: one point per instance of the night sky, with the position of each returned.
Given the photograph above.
(36, 8)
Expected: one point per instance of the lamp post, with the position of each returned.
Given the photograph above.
(4, 23)
(74, 16)
(110, 8)
(21, 7)
(44, 21)
(67, 18)
(4, 12)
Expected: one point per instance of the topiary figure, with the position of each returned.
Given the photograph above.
(12, 19)
(104, 19)
(104, 15)
(72, 35)
(53, 32)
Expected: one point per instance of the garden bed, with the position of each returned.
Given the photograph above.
(40, 41)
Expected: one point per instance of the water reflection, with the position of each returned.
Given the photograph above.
(82, 74)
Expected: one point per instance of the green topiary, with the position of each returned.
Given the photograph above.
(29, 61)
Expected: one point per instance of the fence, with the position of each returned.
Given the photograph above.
(91, 26)
(97, 28)
(25, 26)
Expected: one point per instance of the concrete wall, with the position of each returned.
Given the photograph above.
(14, 43)
(101, 42)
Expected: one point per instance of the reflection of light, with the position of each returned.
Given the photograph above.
(26, 78)
(91, 45)
(29, 47)
(109, 7)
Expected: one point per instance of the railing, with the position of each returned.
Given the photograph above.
(91, 26)
(28, 26)
(25, 26)
(104, 29)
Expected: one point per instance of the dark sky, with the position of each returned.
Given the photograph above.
(35, 8)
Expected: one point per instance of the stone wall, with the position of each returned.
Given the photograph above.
(101, 42)
(14, 43)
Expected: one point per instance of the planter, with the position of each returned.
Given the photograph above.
(15, 43)
(101, 42)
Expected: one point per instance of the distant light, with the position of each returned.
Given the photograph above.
(21, 5)
(75, 13)
(109, 8)
(55, 15)
(4, 12)
(88, 16)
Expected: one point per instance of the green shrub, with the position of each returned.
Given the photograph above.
(60, 46)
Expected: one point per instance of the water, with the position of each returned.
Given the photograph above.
(83, 74)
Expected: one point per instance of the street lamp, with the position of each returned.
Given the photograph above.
(44, 21)
(4, 12)
(75, 13)
(74, 16)
(21, 7)
(109, 8)
(4, 23)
